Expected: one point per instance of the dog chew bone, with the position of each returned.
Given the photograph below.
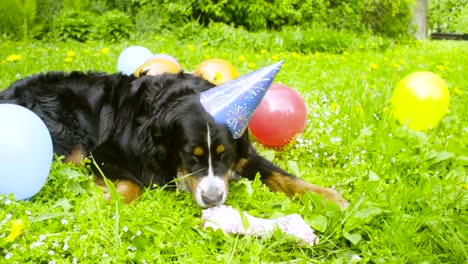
(229, 220)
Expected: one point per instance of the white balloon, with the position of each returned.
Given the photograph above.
(131, 58)
(26, 152)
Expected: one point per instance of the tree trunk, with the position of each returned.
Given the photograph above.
(420, 19)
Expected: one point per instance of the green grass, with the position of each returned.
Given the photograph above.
(408, 189)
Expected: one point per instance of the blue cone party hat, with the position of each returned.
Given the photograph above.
(233, 103)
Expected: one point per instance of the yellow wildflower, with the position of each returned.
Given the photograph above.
(457, 91)
(68, 59)
(70, 53)
(252, 65)
(440, 67)
(275, 58)
(464, 186)
(333, 106)
(402, 61)
(242, 58)
(191, 47)
(204, 43)
(105, 51)
(14, 57)
(263, 51)
(207, 56)
(317, 54)
(16, 229)
(345, 53)
(374, 66)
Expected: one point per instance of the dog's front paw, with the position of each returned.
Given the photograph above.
(336, 197)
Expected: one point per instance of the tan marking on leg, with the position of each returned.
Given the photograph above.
(292, 186)
(75, 157)
(130, 191)
(241, 163)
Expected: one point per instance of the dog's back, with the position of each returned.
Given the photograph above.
(64, 101)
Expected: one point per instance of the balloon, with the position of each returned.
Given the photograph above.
(216, 71)
(25, 152)
(157, 66)
(280, 116)
(167, 57)
(421, 99)
(131, 58)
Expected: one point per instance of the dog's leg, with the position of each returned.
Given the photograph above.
(129, 190)
(75, 156)
(279, 180)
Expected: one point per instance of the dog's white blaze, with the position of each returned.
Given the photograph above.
(211, 185)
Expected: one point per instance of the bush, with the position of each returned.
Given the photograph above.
(112, 26)
(444, 15)
(74, 25)
(17, 17)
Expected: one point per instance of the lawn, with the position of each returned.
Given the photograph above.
(408, 190)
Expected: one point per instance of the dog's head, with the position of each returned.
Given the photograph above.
(206, 153)
(182, 135)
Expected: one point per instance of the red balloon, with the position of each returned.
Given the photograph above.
(281, 115)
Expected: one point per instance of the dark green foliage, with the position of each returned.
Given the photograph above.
(112, 26)
(74, 25)
(383, 17)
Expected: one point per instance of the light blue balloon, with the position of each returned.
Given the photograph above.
(26, 152)
(131, 58)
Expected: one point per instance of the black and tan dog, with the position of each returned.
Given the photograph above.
(148, 131)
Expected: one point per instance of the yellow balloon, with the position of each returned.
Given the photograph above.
(420, 100)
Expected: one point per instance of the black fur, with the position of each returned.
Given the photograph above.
(141, 130)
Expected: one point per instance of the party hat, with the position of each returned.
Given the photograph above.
(233, 103)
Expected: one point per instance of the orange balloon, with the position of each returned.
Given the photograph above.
(157, 66)
(216, 71)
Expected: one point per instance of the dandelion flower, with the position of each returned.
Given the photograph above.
(457, 91)
(374, 66)
(252, 65)
(14, 57)
(242, 58)
(263, 51)
(68, 59)
(16, 229)
(440, 67)
(275, 57)
(207, 56)
(191, 47)
(105, 51)
(70, 53)
(333, 106)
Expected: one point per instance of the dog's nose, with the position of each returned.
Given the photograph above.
(212, 198)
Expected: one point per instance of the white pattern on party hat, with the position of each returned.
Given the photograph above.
(233, 103)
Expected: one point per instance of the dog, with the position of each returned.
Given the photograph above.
(148, 131)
